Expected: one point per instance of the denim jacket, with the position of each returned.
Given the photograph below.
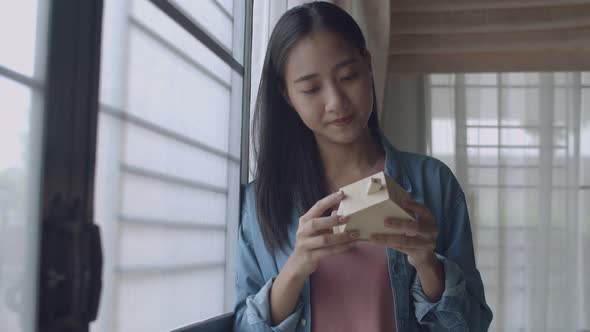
(462, 306)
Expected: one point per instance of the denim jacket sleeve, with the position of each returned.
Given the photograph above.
(252, 306)
(462, 306)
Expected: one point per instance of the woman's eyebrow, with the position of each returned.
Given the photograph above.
(337, 66)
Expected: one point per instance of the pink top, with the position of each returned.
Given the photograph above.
(351, 291)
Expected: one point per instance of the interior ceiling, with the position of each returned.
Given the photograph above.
(496, 30)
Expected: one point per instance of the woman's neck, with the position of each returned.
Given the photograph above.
(347, 163)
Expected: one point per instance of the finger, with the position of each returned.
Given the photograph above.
(328, 240)
(403, 241)
(328, 230)
(322, 205)
(407, 227)
(332, 250)
(419, 208)
(318, 224)
(413, 228)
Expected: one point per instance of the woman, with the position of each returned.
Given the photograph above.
(316, 130)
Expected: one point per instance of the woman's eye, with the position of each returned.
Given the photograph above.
(311, 91)
(349, 77)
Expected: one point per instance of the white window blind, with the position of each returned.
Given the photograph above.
(168, 163)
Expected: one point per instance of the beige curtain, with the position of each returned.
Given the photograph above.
(429, 36)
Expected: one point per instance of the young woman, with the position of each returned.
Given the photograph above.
(316, 130)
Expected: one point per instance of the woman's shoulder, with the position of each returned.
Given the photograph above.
(415, 162)
(432, 178)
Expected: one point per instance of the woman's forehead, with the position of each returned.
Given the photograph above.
(318, 52)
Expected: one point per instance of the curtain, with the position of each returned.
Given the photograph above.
(520, 146)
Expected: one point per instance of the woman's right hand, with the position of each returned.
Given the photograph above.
(315, 238)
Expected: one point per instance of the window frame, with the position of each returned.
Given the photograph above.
(70, 136)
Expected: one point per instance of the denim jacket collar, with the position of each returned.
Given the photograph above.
(394, 166)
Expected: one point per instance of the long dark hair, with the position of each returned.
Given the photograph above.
(288, 173)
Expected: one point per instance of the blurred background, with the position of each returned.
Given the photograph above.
(498, 90)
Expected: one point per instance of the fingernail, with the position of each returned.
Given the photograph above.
(340, 193)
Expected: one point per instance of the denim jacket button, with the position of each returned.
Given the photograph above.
(303, 322)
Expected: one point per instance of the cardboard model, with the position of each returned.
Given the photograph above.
(368, 202)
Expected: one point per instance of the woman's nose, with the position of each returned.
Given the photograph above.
(337, 100)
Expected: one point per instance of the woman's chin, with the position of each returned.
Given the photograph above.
(343, 137)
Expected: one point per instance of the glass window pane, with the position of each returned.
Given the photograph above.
(520, 176)
(228, 5)
(145, 14)
(520, 79)
(563, 79)
(585, 138)
(442, 79)
(18, 35)
(154, 152)
(169, 201)
(487, 199)
(482, 106)
(559, 137)
(520, 136)
(482, 176)
(519, 156)
(23, 27)
(586, 78)
(513, 200)
(482, 136)
(562, 101)
(212, 16)
(558, 207)
(157, 245)
(481, 79)
(176, 95)
(520, 106)
(443, 124)
(149, 300)
(482, 156)
(20, 135)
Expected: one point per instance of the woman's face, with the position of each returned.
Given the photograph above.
(329, 84)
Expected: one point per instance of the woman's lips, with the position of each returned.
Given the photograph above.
(341, 122)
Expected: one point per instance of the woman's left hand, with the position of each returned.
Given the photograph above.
(418, 238)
